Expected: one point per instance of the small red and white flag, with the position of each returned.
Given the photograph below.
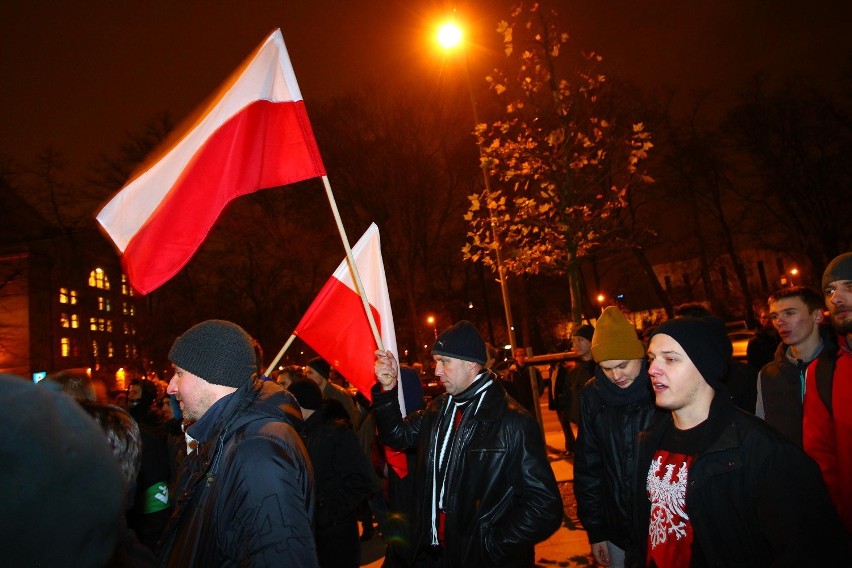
(253, 135)
(337, 328)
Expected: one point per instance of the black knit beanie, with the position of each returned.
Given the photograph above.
(461, 341)
(705, 342)
(321, 366)
(585, 331)
(218, 351)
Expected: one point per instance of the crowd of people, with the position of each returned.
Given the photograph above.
(682, 456)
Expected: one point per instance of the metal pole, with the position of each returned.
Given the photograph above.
(507, 306)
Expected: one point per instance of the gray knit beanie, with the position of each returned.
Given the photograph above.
(218, 351)
(838, 269)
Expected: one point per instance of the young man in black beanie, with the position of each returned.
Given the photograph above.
(717, 486)
(245, 495)
(485, 491)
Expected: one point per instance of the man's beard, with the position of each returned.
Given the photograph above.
(843, 326)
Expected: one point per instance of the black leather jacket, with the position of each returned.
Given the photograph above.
(606, 458)
(501, 496)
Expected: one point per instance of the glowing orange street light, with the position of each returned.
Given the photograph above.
(601, 298)
(431, 321)
(450, 36)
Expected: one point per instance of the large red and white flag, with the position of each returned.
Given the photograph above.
(254, 134)
(337, 328)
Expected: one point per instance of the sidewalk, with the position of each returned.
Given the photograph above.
(567, 547)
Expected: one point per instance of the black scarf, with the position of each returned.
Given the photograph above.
(614, 395)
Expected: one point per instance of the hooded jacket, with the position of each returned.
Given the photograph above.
(500, 498)
(245, 496)
(610, 421)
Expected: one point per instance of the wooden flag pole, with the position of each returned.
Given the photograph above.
(281, 352)
(352, 266)
(356, 277)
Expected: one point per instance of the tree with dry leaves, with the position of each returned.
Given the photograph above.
(561, 158)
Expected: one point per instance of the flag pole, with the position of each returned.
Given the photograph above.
(281, 352)
(352, 266)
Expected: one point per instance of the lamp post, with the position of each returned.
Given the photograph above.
(450, 37)
(431, 321)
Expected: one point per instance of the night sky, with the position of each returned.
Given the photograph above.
(77, 76)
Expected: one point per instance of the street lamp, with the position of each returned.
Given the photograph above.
(431, 321)
(450, 36)
(793, 273)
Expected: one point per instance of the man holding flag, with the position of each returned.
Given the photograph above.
(486, 492)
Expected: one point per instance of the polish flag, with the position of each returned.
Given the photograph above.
(336, 326)
(254, 134)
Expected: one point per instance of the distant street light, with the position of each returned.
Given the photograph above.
(431, 321)
(450, 36)
(794, 272)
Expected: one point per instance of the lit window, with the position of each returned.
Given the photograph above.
(110, 351)
(63, 295)
(63, 320)
(72, 297)
(93, 324)
(98, 279)
(125, 308)
(107, 305)
(75, 321)
(95, 348)
(126, 351)
(65, 347)
(100, 303)
(109, 326)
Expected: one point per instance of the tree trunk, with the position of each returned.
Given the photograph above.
(661, 293)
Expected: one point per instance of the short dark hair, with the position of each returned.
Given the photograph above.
(811, 298)
(693, 310)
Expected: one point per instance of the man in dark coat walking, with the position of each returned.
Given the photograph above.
(245, 495)
(485, 491)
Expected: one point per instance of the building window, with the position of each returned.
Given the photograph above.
(98, 279)
(65, 347)
(94, 348)
(63, 320)
(75, 321)
(110, 350)
(127, 351)
(93, 324)
(109, 326)
(126, 288)
(67, 296)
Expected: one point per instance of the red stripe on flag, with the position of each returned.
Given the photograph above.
(336, 327)
(265, 145)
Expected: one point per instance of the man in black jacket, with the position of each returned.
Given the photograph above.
(719, 486)
(614, 407)
(245, 495)
(344, 476)
(485, 491)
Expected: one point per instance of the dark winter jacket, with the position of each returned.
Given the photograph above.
(605, 460)
(754, 499)
(344, 476)
(245, 496)
(501, 496)
(782, 385)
